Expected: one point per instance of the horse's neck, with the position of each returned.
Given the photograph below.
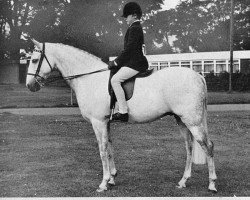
(71, 61)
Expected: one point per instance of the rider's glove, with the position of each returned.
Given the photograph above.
(112, 64)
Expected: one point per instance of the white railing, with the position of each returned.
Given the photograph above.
(200, 66)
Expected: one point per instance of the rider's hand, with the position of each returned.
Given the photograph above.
(112, 64)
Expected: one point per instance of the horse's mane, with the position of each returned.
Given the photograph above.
(80, 50)
(76, 52)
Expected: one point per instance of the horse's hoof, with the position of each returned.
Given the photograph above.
(211, 187)
(112, 179)
(115, 175)
(111, 182)
(212, 190)
(181, 186)
(101, 189)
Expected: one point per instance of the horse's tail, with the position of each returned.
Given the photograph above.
(198, 154)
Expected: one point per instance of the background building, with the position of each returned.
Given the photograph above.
(203, 62)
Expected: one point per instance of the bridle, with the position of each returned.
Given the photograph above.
(43, 55)
(36, 75)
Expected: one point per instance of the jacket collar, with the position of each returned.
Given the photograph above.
(134, 22)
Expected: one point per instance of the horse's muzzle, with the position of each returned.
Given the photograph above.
(34, 87)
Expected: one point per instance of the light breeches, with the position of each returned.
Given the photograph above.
(122, 75)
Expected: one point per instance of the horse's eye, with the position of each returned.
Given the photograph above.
(35, 60)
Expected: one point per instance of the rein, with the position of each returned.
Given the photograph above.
(59, 77)
(67, 78)
(79, 75)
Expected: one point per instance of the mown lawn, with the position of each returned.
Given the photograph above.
(228, 98)
(57, 156)
(18, 96)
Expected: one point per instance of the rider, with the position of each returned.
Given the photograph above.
(131, 60)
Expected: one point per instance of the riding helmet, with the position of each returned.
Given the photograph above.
(132, 8)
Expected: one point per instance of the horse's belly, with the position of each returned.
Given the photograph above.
(147, 104)
(141, 117)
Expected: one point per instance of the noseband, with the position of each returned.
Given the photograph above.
(36, 75)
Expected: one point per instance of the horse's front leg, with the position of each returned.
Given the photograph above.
(112, 167)
(101, 132)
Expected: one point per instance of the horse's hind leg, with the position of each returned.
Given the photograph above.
(199, 134)
(188, 141)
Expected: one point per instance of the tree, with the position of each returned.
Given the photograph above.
(97, 27)
(18, 15)
(205, 25)
(86, 24)
(157, 33)
(242, 28)
(13, 15)
(196, 27)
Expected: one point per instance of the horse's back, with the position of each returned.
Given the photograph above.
(177, 74)
(173, 80)
(174, 89)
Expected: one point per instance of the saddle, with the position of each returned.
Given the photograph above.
(128, 85)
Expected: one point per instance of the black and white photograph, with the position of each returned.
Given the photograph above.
(125, 98)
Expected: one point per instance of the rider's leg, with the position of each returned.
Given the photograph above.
(123, 74)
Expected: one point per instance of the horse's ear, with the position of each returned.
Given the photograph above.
(38, 44)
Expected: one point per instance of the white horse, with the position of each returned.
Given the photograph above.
(176, 90)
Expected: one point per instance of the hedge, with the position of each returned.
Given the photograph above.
(220, 82)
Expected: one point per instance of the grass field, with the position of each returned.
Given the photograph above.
(57, 156)
(18, 96)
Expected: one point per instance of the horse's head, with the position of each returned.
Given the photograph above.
(39, 67)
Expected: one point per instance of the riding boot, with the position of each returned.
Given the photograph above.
(120, 117)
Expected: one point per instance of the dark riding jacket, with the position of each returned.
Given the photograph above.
(132, 55)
